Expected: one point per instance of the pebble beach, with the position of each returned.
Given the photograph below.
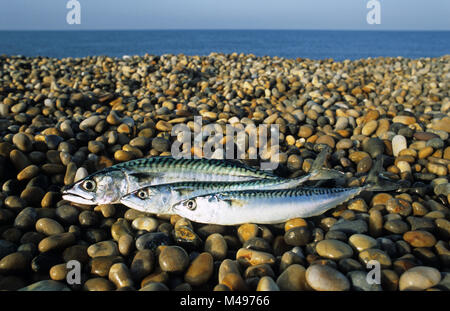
(63, 119)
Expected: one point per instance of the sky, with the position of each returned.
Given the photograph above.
(225, 14)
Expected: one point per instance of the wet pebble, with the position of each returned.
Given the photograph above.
(173, 259)
(200, 270)
(334, 249)
(325, 278)
(419, 278)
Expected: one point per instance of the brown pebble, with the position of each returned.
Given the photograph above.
(120, 275)
(48, 226)
(57, 241)
(295, 222)
(98, 285)
(293, 278)
(247, 231)
(58, 272)
(252, 257)
(216, 245)
(173, 259)
(126, 244)
(143, 264)
(28, 172)
(200, 270)
(419, 238)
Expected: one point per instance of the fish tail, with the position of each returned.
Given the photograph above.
(375, 182)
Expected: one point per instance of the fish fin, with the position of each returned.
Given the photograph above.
(320, 160)
(318, 170)
(375, 181)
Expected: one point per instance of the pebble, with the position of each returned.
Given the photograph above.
(173, 259)
(259, 271)
(250, 257)
(154, 286)
(293, 278)
(145, 223)
(120, 275)
(28, 172)
(98, 285)
(216, 245)
(56, 242)
(19, 160)
(46, 285)
(399, 206)
(6, 248)
(369, 128)
(325, 278)
(358, 279)
(200, 270)
(362, 242)
(350, 226)
(160, 144)
(26, 218)
(247, 231)
(17, 262)
(297, 236)
(58, 272)
(48, 226)
(333, 249)
(23, 142)
(102, 249)
(398, 144)
(126, 244)
(80, 174)
(143, 264)
(152, 240)
(419, 238)
(419, 278)
(266, 283)
(396, 226)
(375, 254)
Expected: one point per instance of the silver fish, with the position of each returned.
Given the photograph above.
(273, 206)
(158, 199)
(262, 206)
(107, 186)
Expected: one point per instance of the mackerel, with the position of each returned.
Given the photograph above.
(273, 206)
(262, 206)
(159, 198)
(107, 186)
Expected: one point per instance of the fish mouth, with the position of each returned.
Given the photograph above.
(77, 198)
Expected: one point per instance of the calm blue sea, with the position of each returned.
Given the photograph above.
(338, 45)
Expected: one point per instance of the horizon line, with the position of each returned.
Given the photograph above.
(229, 29)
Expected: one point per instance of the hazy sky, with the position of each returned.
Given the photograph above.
(225, 14)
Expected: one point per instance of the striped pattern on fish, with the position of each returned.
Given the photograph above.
(107, 186)
(263, 207)
(159, 198)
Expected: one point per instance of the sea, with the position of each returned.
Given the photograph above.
(312, 44)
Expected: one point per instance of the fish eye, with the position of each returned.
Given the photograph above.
(191, 205)
(89, 185)
(142, 194)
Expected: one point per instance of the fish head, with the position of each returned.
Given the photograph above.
(151, 199)
(103, 187)
(202, 209)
